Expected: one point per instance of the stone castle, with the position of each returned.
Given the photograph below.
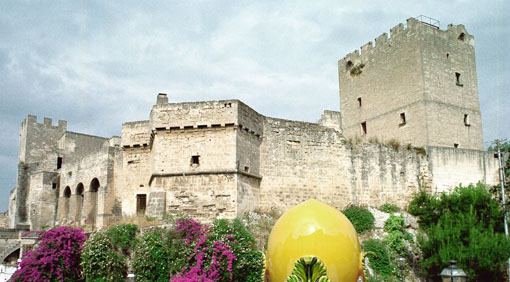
(222, 159)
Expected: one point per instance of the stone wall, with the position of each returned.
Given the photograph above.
(406, 87)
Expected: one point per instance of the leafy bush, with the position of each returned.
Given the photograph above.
(249, 263)
(100, 263)
(468, 229)
(151, 257)
(56, 257)
(123, 237)
(395, 226)
(361, 218)
(389, 208)
(377, 251)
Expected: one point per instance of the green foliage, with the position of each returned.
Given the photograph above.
(395, 226)
(99, 262)
(389, 208)
(249, 263)
(466, 226)
(361, 218)
(151, 257)
(123, 237)
(308, 269)
(377, 251)
(357, 70)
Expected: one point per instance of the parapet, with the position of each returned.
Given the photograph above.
(47, 122)
(331, 119)
(414, 27)
(162, 99)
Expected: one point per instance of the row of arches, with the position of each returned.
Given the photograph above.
(80, 207)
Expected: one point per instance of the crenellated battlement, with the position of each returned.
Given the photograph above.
(47, 122)
(399, 34)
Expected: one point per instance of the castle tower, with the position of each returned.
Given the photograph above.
(419, 86)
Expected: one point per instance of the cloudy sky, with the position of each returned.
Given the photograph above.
(97, 64)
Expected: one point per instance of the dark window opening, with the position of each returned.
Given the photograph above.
(246, 169)
(141, 204)
(348, 66)
(188, 127)
(359, 102)
(458, 80)
(195, 160)
(228, 105)
(403, 120)
(461, 36)
(215, 125)
(54, 185)
(131, 162)
(455, 145)
(67, 192)
(202, 126)
(59, 162)
(466, 120)
(364, 128)
(175, 127)
(447, 55)
(229, 124)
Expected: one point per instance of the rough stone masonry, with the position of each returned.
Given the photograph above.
(222, 159)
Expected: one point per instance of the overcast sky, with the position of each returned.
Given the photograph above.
(98, 64)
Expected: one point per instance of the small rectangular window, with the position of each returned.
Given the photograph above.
(466, 120)
(364, 128)
(403, 120)
(59, 162)
(359, 102)
(195, 160)
(455, 145)
(458, 80)
(141, 204)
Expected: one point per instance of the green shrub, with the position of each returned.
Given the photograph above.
(395, 226)
(249, 263)
(123, 237)
(151, 257)
(99, 262)
(389, 208)
(378, 254)
(361, 218)
(468, 229)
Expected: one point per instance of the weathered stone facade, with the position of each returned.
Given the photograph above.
(418, 86)
(221, 158)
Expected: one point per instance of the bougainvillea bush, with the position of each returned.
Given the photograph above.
(56, 257)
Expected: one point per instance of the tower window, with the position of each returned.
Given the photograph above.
(364, 128)
(59, 162)
(466, 120)
(141, 204)
(458, 80)
(455, 145)
(403, 119)
(195, 160)
(348, 66)
(461, 36)
(359, 102)
(447, 55)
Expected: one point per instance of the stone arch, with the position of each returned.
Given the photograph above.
(79, 202)
(10, 251)
(92, 201)
(65, 202)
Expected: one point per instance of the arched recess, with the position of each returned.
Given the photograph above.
(12, 258)
(65, 203)
(92, 202)
(79, 202)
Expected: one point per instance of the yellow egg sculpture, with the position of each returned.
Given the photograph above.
(314, 229)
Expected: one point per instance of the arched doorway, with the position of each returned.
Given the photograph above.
(65, 204)
(92, 202)
(79, 202)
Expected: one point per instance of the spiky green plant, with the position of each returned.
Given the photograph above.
(308, 269)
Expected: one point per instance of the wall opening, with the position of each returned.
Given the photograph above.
(59, 162)
(447, 55)
(403, 120)
(461, 36)
(363, 128)
(195, 160)
(141, 204)
(348, 65)
(12, 258)
(92, 202)
(65, 202)
(79, 202)
(466, 120)
(455, 145)
(359, 102)
(458, 79)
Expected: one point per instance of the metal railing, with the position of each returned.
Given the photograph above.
(428, 21)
